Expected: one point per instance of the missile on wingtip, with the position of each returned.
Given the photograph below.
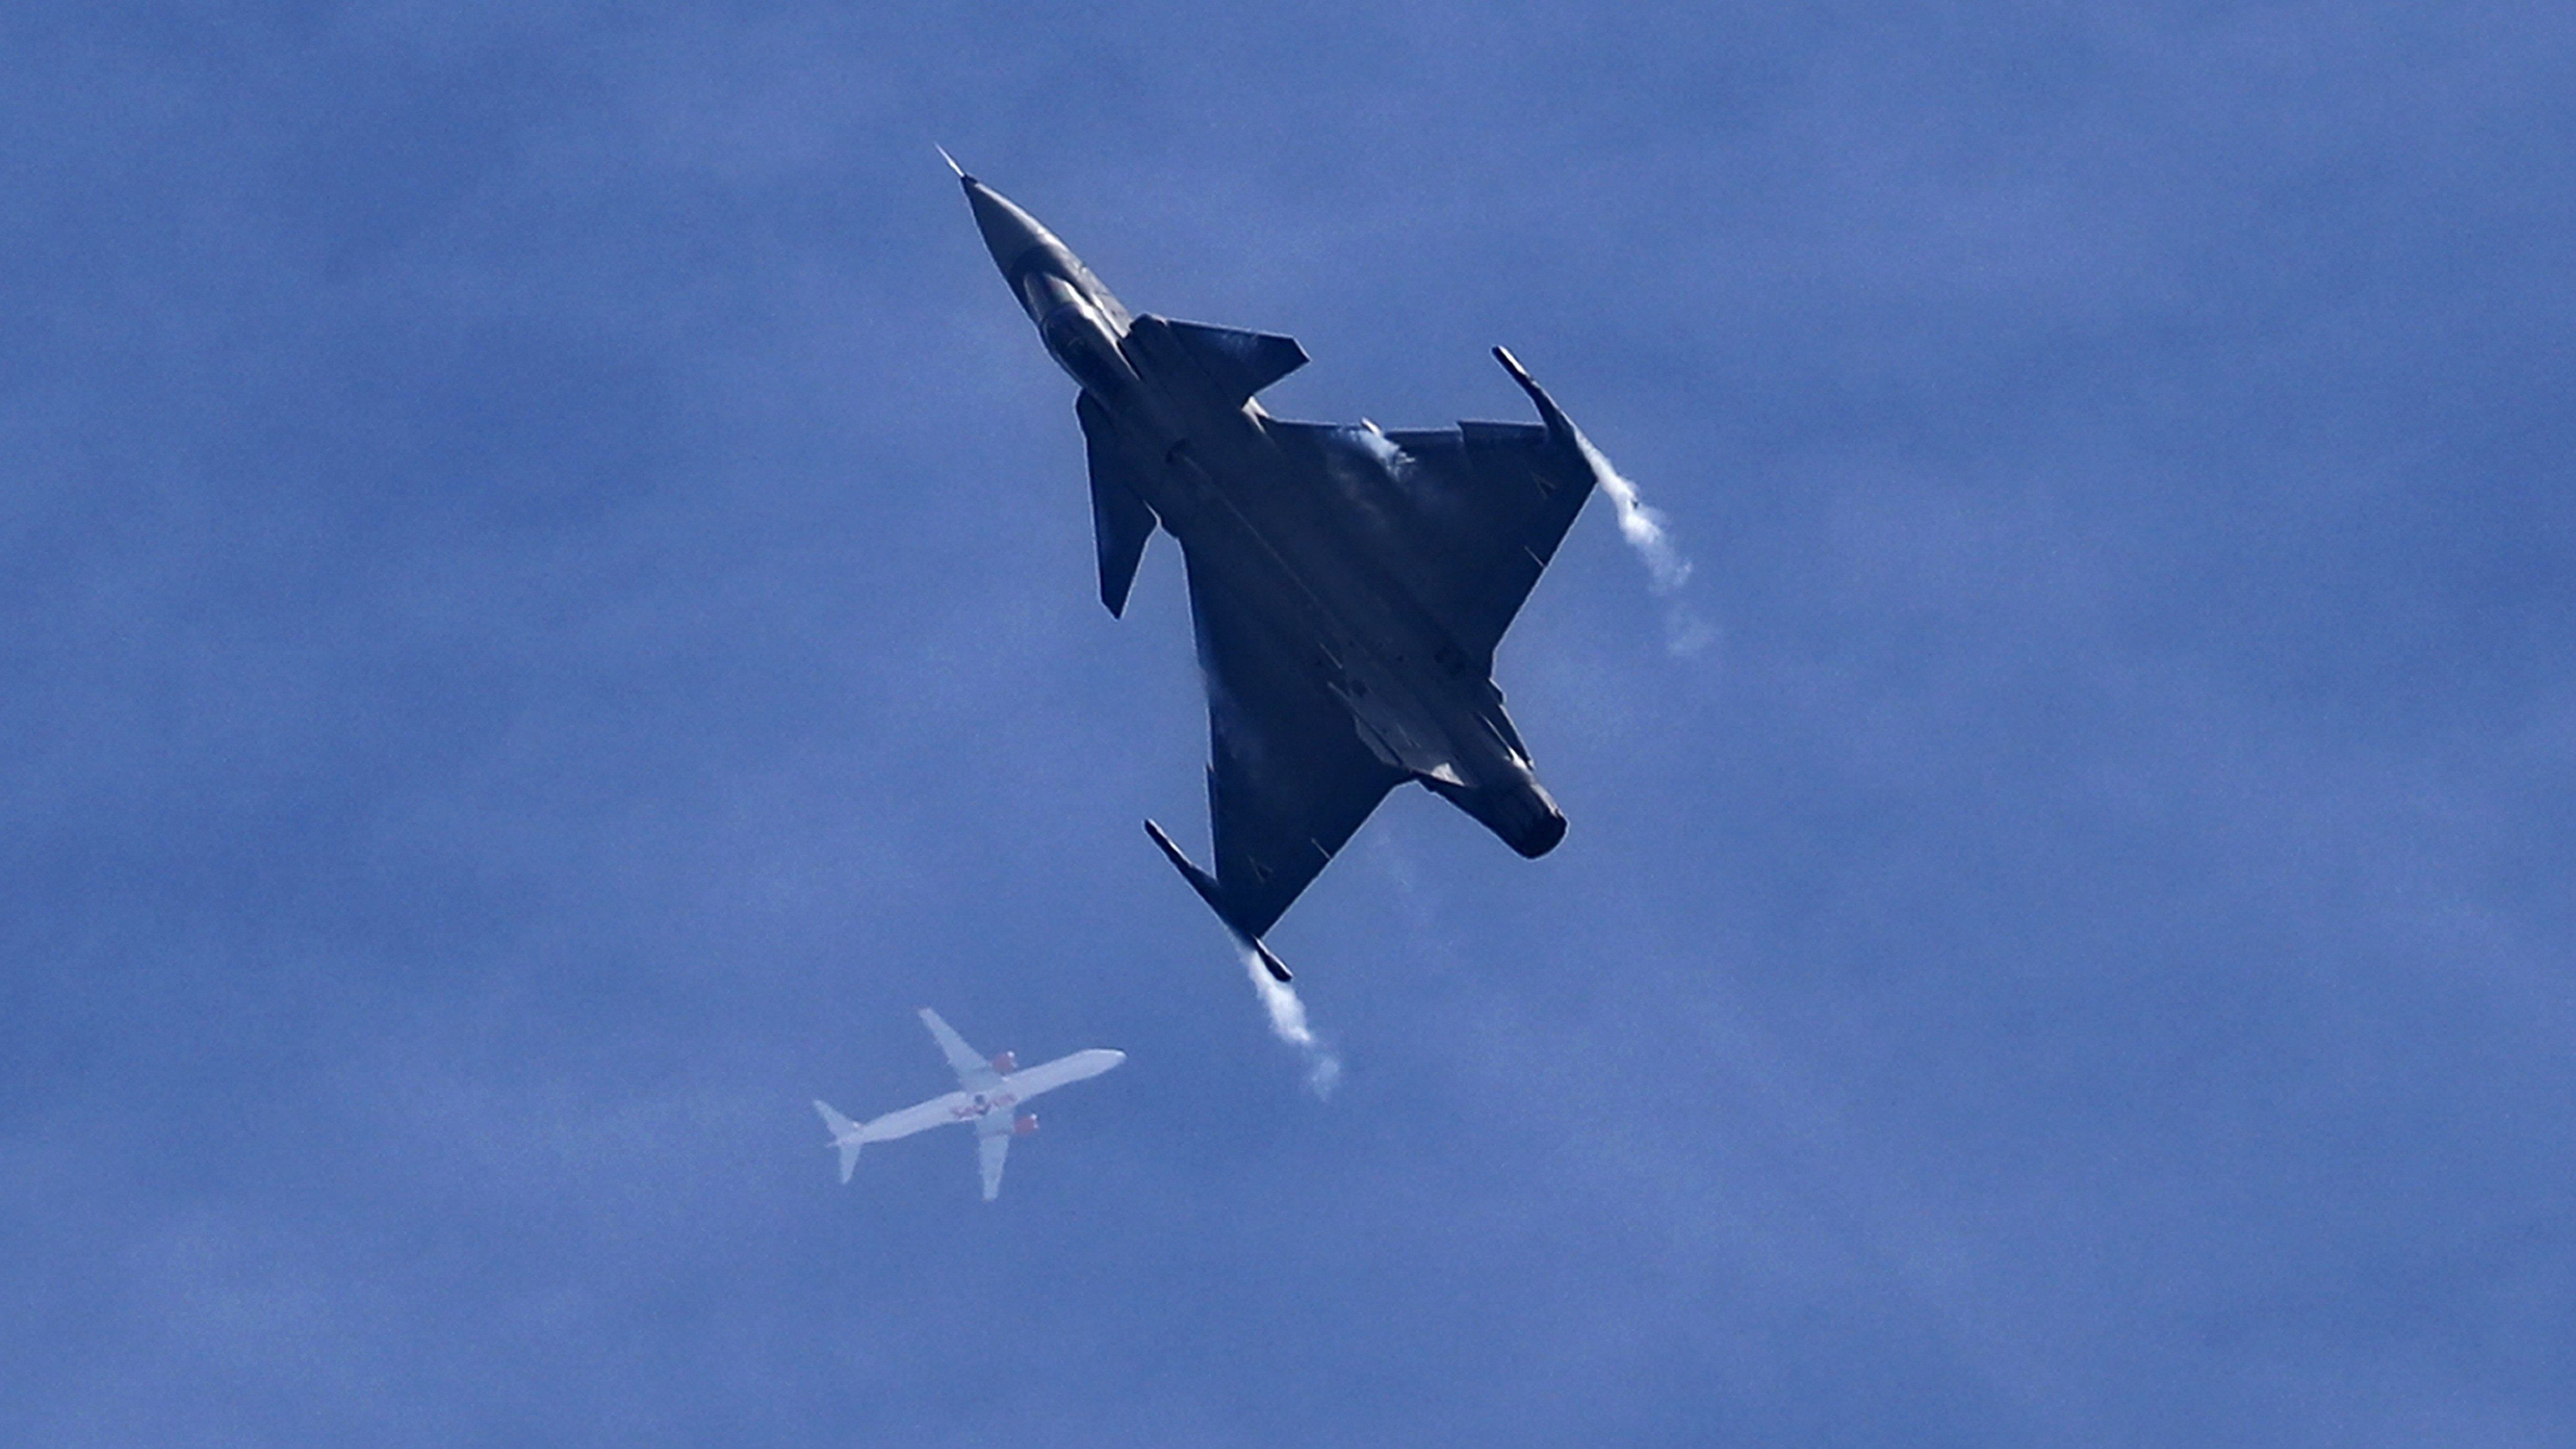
(1559, 426)
(1210, 892)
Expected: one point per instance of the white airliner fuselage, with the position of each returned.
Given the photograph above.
(988, 1089)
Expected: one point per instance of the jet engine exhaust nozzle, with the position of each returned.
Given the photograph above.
(1521, 812)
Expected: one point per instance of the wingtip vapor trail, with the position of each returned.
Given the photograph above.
(1645, 529)
(1647, 533)
(1287, 1014)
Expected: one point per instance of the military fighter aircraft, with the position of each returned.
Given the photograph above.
(1347, 584)
(987, 1090)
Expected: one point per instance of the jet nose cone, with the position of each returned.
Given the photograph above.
(1009, 233)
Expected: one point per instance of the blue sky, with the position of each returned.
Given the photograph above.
(548, 607)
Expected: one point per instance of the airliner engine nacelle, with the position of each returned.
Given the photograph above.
(1006, 1063)
(1026, 1124)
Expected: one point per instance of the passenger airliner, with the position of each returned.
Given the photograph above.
(987, 1091)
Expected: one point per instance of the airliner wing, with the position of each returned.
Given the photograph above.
(974, 1072)
(992, 1144)
(1047, 1076)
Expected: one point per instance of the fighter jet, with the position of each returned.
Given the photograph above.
(987, 1090)
(1347, 584)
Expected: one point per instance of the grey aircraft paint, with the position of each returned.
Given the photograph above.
(1347, 585)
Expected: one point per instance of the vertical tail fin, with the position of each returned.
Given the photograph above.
(845, 1136)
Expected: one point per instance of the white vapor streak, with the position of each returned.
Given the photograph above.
(1288, 1023)
(1685, 632)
